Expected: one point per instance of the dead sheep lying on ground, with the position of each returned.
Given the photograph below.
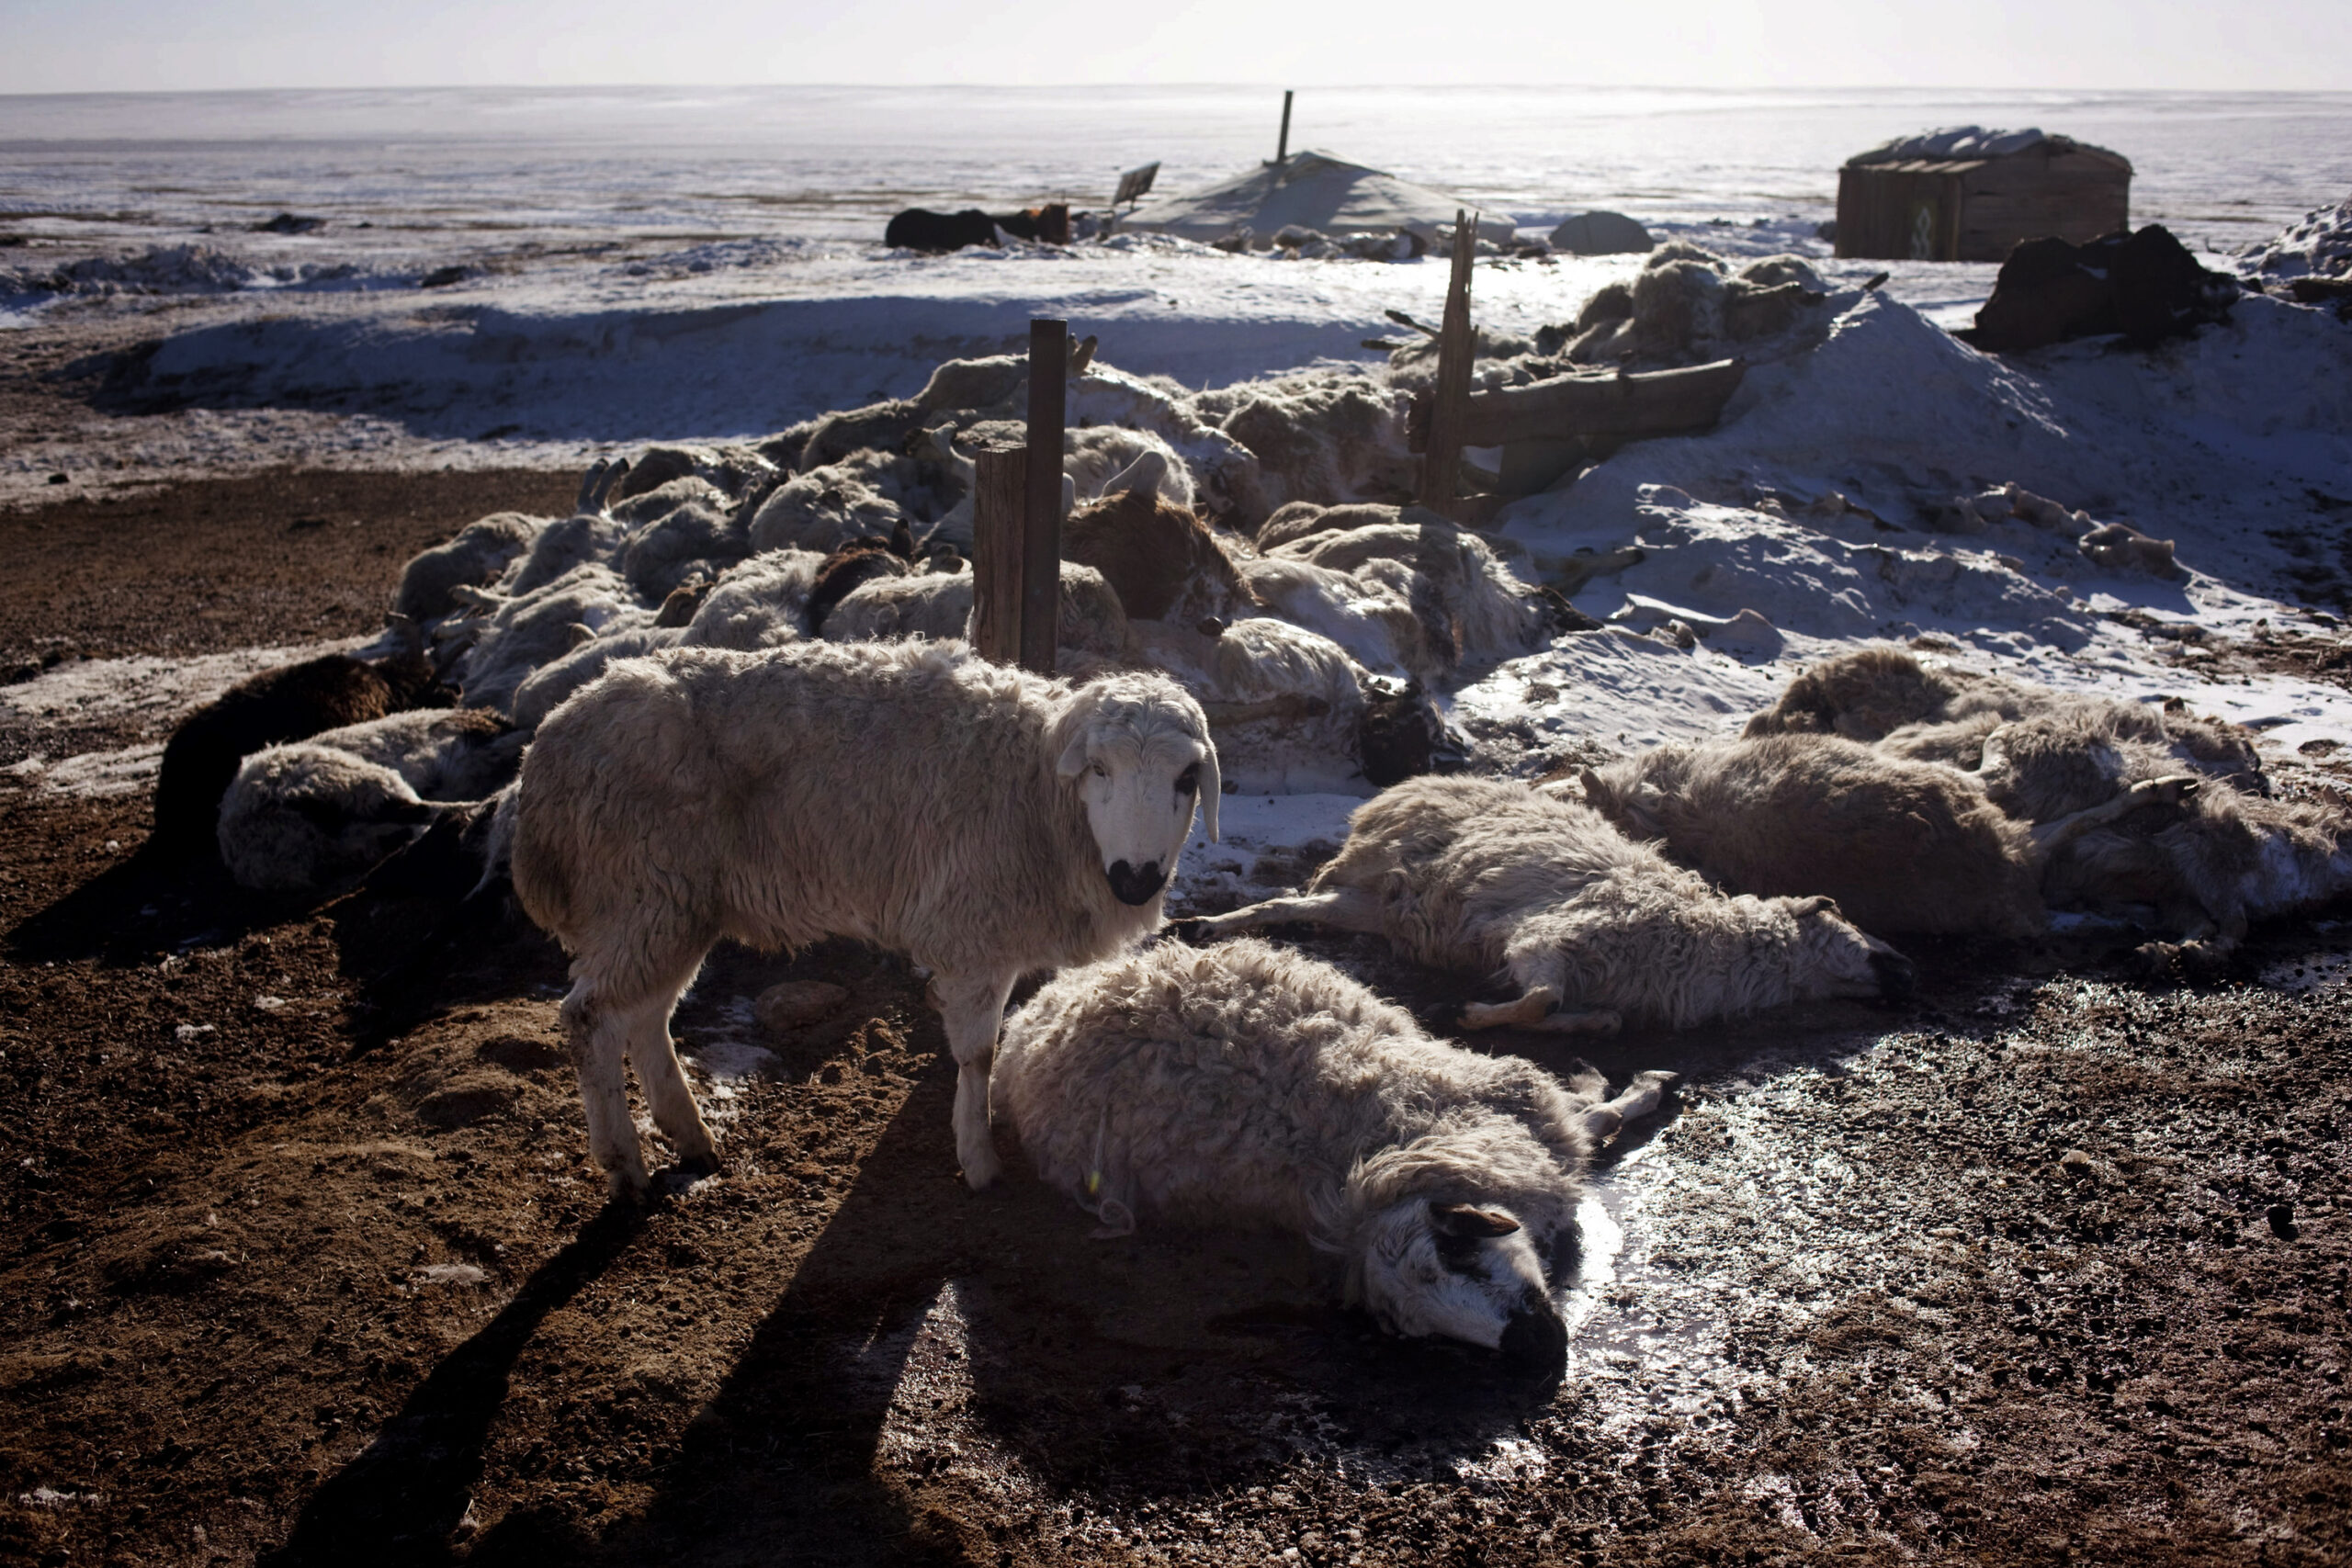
(1889, 697)
(1373, 621)
(1902, 846)
(762, 603)
(477, 558)
(1490, 876)
(2230, 858)
(305, 815)
(1161, 560)
(524, 634)
(1093, 634)
(1324, 436)
(986, 822)
(290, 703)
(1473, 611)
(864, 494)
(1247, 1084)
(683, 529)
(1287, 707)
(1686, 304)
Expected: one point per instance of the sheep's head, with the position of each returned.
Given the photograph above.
(1835, 958)
(1462, 1272)
(1137, 750)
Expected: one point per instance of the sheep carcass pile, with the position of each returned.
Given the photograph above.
(1319, 663)
(2201, 871)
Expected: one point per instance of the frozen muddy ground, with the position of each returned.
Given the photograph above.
(301, 1258)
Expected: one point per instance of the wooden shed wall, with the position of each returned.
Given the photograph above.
(1978, 209)
(2073, 196)
(1899, 212)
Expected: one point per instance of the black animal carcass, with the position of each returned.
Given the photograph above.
(919, 229)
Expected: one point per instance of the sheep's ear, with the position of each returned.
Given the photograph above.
(1073, 760)
(1212, 791)
(1815, 905)
(1595, 792)
(1461, 1219)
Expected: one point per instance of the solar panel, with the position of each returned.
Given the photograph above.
(1135, 183)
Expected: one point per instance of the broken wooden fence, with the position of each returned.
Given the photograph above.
(1545, 427)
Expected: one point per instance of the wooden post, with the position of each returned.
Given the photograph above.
(999, 505)
(1456, 348)
(1281, 145)
(1041, 549)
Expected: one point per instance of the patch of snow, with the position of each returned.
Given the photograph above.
(2319, 245)
(148, 690)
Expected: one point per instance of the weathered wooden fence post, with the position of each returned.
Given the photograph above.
(1456, 349)
(999, 503)
(1041, 562)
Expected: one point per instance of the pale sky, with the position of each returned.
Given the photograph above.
(143, 45)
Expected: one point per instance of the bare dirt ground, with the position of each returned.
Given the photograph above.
(302, 1260)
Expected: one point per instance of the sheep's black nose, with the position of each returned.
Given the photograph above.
(1132, 885)
(1895, 976)
(1536, 1336)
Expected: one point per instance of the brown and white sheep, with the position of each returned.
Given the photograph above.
(290, 703)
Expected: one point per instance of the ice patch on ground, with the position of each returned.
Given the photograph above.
(1256, 857)
(92, 775)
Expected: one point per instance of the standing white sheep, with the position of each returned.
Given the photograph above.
(1486, 876)
(984, 821)
(1246, 1083)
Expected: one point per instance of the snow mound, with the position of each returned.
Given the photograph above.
(159, 269)
(1621, 689)
(2320, 246)
(1317, 191)
(1706, 564)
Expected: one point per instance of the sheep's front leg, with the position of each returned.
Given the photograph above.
(598, 1034)
(972, 1009)
(1342, 909)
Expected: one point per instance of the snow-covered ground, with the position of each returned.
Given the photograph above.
(613, 266)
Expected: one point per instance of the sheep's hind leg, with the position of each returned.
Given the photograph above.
(1342, 909)
(2170, 791)
(599, 1036)
(1635, 1101)
(667, 1094)
(973, 1010)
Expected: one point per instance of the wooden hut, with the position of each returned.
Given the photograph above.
(1971, 194)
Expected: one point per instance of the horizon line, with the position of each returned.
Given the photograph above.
(1271, 85)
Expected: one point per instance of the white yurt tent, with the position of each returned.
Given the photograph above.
(1316, 191)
